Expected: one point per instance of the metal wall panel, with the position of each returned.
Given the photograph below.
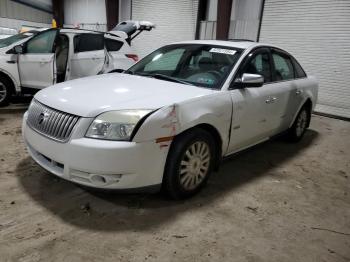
(212, 10)
(17, 24)
(207, 30)
(317, 33)
(245, 19)
(89, 14)
(208, 25)
(124, 10)
(175, 21)
(13, 10)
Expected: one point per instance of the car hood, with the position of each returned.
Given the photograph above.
(90, 96)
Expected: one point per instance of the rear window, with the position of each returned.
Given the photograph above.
(299, 71)
(283, 66)
(88, 42)
(113, 45)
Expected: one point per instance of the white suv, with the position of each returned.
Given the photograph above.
(57, 55)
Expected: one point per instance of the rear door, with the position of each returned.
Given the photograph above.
(284, 91)
(36, 65)
(89, 56)
(301, 83)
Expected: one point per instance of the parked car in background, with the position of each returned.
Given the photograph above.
(169, 119)
(28, 28)
(4, 36)
(57, 55)
(6, 32)
(16, 39)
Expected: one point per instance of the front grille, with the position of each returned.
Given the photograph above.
(50, 122)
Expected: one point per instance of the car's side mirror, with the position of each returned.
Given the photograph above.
(18, 49)
(249, 80)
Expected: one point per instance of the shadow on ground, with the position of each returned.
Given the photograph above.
(119, 212)
(23, 99)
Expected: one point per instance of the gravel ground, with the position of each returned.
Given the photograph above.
(275, 202)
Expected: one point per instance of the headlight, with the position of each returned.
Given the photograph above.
(115, 125)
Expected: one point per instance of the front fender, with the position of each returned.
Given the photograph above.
(169, 121)
(14, 77)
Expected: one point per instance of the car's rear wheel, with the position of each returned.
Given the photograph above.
(301, 122)
(189, 163)
(5, 91)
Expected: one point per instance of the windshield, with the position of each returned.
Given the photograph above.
(194, 64)
(13, 39)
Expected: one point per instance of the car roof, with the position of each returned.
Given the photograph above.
(241, 44)
(75, 30)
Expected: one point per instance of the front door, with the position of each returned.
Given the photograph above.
(251, 119)
(36, 65)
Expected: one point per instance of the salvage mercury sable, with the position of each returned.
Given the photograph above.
(169, 119)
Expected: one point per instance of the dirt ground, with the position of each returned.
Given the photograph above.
(275, 202)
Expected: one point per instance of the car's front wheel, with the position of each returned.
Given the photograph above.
(189, 163)
(5, 93)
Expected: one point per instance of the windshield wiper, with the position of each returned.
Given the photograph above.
(169, 78)
(159, 76)
(128, 72)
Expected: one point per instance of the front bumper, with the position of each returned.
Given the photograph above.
(98, 163)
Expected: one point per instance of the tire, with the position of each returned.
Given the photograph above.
(5, 91)
(301, 123)
(192, 153)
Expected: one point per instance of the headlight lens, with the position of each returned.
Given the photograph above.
(115, 125)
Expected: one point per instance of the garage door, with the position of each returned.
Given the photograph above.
(175, 21)
(317, 32)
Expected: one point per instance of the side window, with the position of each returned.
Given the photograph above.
(42, 43)
(88, 42)
(283, 67)
(113, 45)
(167, 61)
(260, 64)
(299, 72)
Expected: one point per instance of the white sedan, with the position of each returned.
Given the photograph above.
(169, 119)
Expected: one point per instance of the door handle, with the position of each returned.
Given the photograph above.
(270, 100)
(11, 62)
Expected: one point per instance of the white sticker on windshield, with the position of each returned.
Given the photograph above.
(223, 51)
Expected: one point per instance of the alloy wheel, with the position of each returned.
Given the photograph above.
(194, 165)
(301, 123)
(3, 92)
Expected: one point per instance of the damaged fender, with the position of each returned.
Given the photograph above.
(169, 121)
